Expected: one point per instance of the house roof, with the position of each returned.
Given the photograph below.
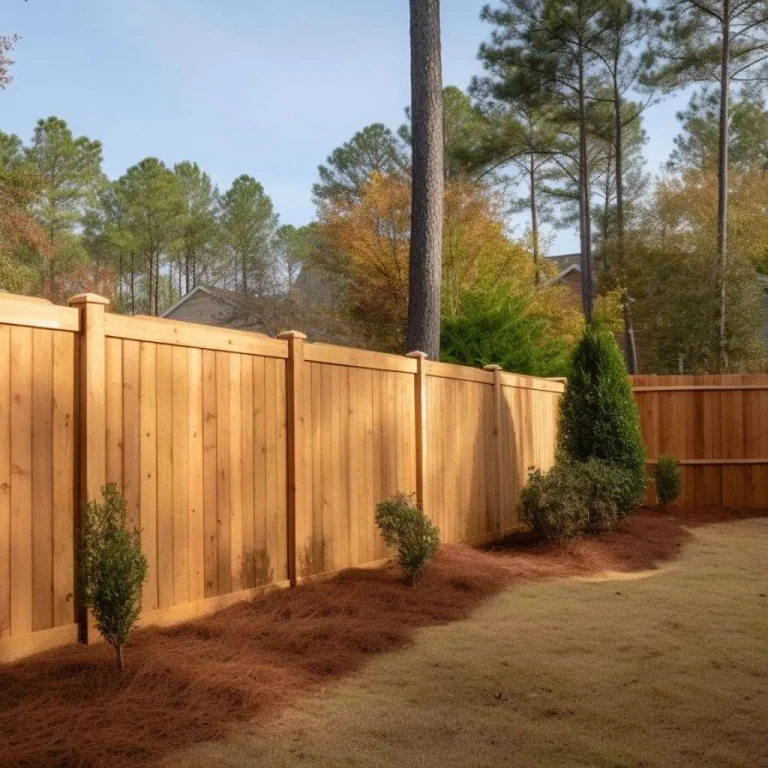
(565, 260)
(565, 264)
(220, 294)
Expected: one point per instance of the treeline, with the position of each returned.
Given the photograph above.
(553, 133)
(145, 238)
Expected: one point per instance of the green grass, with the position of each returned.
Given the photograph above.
(662, 668)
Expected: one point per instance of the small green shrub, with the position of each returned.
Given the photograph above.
(111, 568)
(598, 416)
(554, 504)
(667, 478)
(406, 529)
(574, 498)
(609, 491)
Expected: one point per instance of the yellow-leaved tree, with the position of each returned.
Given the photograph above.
(485, 274)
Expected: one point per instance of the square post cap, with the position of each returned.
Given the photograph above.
(87, 298)
(291, 335)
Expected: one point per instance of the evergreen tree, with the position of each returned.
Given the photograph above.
(70, 169)
(249, 223)
(544, 50)
(150, 225)
(697, 146)
(198, 228)
(598, 415)
(374, 149)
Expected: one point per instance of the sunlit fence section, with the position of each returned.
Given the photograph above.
(247, 462)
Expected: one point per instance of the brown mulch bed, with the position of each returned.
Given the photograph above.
(190, 683)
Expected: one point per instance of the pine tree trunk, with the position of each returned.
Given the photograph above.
(133, 284)
(619, 162)
(157, 283)
(722, 191)
(584, 212)
(629, 337)
(151, 284)
(534, 222)
(427, 179)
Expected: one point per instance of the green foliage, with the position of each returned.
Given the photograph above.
(111, 568)
(249, 223)
(598, 416)
(496, 326)
(574, 498)
(697, 146)
(70, 169)
(554, 503)
(667, 479)
(406, 528)
(349, 168)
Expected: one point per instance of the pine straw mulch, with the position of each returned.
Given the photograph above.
(190, 683)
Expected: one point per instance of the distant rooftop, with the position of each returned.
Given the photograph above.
(565, 260)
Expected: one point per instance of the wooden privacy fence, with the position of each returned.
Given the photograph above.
(717, 426)
(247, 462)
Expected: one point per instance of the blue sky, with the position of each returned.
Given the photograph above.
(240, 86)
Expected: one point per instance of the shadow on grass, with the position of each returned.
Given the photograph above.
(192, 682)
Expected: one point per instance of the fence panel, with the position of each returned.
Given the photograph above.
(359, 447)
(461, 495)
(717, 426)
(529, 430)
(196, 441)
(38, 418)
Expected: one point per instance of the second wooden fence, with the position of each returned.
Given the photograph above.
(717, 426)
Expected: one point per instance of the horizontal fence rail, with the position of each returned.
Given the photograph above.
(717, 426)
(247, 462)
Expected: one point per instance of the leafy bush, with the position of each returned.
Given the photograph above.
(554, 503)
(667, 478)
(598, 416)
(577, 497)
(609, 492)
(409, 531)
(111, 568)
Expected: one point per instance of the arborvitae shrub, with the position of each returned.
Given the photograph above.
(667, 478)
(111, 568)
(598, 416)
(406, 529)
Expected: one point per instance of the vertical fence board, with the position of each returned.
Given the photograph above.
(210, 473)
(64, 355)
(21, 480)
(148, 470)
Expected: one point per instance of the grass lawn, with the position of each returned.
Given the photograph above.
(664, 667)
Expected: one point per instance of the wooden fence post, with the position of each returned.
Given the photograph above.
(498, 521)
(421, 429)
(92, 395)
(294, 441)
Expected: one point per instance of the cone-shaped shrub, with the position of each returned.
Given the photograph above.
(598, 416)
